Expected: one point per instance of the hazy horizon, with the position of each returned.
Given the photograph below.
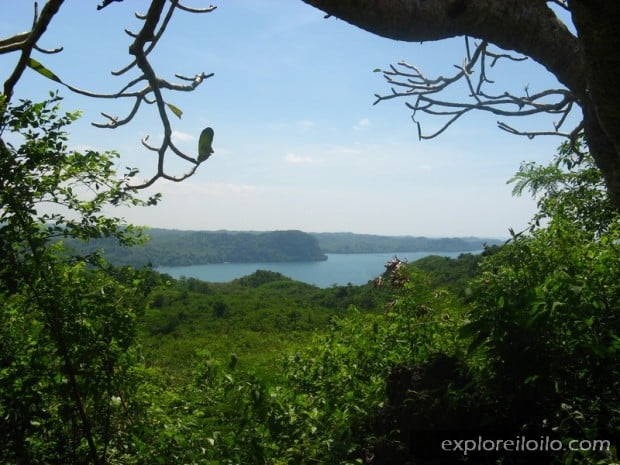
(447, 236)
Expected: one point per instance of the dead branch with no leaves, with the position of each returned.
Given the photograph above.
(408, 81)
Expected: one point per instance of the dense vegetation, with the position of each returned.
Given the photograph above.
(68, 347)
(167, 247)
(370, 243)
(105, 365)
(179, 248)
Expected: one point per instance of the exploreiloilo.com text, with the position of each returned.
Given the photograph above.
(523, 444)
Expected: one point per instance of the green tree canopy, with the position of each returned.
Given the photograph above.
(67, 342)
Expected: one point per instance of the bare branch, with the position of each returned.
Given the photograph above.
(39, 26)
(499, 56)
(152, 93)
(561, 3)
(530, 134)
(115, 121)
(153, 41)
(50, 51)
(182, 155)
(152, 87)
(106, 3)
(147, 145)
(409, 82)
(131, 33)
(13, 43)
(208, 9)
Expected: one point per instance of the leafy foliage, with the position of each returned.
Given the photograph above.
(309, 400)
(571, 188)
(454, 274)
(268, 370)
(370, 243)
(177, 248)
(547, 308)
(68, 323)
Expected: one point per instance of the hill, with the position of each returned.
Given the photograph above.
(171, 247)
(368, 243)
(168, 247)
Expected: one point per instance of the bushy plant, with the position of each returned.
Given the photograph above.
(547, 307)
(67, 323)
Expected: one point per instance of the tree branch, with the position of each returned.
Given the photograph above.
(586, 63)
(153, 87)
(27, 42)
(528, 27)
(13, 43)
(408, 81)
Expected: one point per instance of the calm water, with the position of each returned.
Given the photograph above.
(338, 269)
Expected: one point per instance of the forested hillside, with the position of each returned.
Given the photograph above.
(369, 243)
(109, 365)
(169, 247)
(518, 342)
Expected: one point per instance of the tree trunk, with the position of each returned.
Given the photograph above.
(597, 23)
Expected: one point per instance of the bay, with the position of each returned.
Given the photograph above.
(337, 270)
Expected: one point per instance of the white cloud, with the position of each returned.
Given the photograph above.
(305, 123)
(182, 136)
(276, 126)
(292, 158)
(342, 150)
(85, 148)
(299, 125)
(361, 124)
(192, 189)
(229, 188)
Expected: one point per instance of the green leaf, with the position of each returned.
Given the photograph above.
(478, 331)
(176, 110)
(472, 329)
(205, 148)
(39, 68)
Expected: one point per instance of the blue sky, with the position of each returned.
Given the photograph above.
(298, 143)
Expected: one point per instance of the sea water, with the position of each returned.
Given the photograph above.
(337, 270)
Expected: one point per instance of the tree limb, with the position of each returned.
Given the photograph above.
(28, 43)
(144, 41)
(408, 81)
(528, 27)
(586, 63)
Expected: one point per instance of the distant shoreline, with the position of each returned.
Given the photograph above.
(339, 269)
(169, 247)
